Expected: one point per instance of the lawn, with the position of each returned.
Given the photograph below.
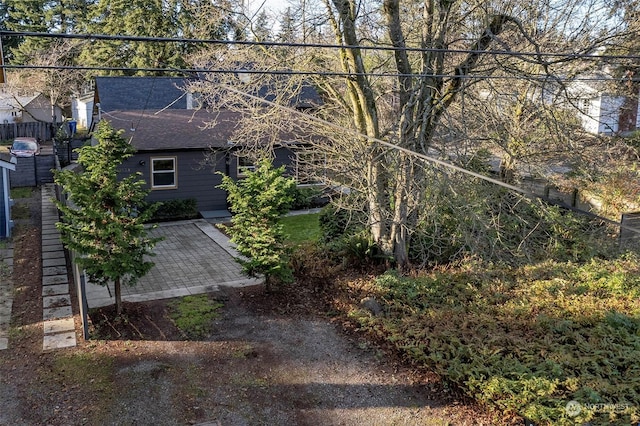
(22, 192)
(301, 228)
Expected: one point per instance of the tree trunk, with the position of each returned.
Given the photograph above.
(117, 290)
(403, 186)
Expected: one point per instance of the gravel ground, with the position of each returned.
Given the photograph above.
(262, 364)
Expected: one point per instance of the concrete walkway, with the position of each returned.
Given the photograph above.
(57, 315)
(193, 258)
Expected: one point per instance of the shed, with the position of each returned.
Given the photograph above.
(6, 224)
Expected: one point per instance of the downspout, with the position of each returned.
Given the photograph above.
(7, 201)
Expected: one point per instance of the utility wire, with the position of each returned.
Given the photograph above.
(445, 164)
(567, 55)
(192, 71)
(428, 158)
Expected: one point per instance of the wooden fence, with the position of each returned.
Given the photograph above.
(42, 131)
(32, 171)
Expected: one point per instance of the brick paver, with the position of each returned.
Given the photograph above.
(193, 258)
(57, 313)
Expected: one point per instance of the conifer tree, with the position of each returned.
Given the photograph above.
(257, 202)
(46, 16)
(104, 221)
(154, 18)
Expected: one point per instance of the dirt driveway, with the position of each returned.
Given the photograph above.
(276, 359)
(265, 370)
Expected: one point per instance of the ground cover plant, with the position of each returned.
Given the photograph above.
(557, 343)
(22, 192)
(193, 315)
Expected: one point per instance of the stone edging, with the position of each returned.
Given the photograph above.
(57, 314)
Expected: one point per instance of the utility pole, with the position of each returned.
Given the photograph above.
(2, 75)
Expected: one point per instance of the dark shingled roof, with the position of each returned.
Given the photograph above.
(174, 129)
(138, 93)
(156, 108)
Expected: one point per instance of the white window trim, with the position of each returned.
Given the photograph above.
(242, 170)
(174, 171)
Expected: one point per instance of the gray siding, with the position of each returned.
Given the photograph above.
(195, 179)
(283, 156)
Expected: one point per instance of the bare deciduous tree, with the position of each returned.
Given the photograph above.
(414, 94)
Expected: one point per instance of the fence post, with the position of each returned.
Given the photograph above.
(574, 197)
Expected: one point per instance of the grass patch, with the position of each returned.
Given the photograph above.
(22, 192)
(193, 315)
(20, 211)
(301, 228)
(86, 369)
(526, 341)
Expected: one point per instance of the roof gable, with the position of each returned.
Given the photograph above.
(140, 93)
(9, 101)
(174, 129)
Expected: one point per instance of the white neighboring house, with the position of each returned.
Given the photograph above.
(600, 111)
(82, 109)
(27, 109)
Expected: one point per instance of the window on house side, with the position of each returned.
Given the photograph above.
(245, 165)
(585, 106)
(164, 173)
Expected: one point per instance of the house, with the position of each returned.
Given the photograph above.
(6, 164)
(17, 108)
(82, 109)
(599, 109)
(177, 152)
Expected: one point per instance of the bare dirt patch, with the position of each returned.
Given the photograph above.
(270, 358)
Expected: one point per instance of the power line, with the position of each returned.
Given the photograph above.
(428, 158)
(195, 71)
(107, 37)
(567, 56)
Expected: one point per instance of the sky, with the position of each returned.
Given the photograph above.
(272, 6)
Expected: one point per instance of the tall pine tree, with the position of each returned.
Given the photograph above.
(46, 16)
(155, 18)
(104, 221)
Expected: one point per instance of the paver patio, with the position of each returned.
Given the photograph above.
(193, 258)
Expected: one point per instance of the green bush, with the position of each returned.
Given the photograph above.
(335, 223)
(176, 210)
(501, 226)
(258, 201)
(346, 240)
(525, 340)
(306, 198)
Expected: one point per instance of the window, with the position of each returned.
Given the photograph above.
(245, 165)
(163, 173)
(194, 100)
(585, 106)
